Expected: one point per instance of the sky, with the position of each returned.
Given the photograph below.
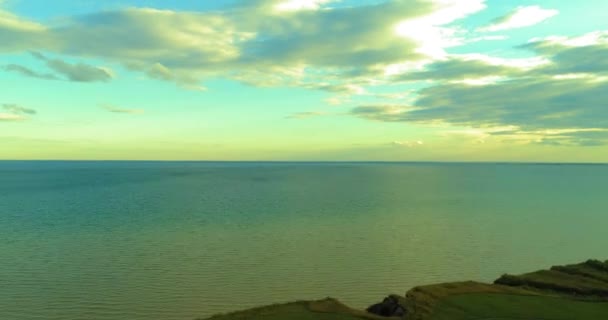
(304, 80)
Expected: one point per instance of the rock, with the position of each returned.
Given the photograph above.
(389, 307)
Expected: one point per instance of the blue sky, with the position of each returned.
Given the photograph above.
(439, 80)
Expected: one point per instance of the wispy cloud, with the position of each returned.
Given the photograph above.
(519, 18)
(408, 143)
(17, 109)
(14, 112)
(306, 115)
(29, 72)
(78, 72)
(115, 109)
(387, 113)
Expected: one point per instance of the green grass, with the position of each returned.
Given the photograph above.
(484, 306)
(284, 312)
(589, 279)
(327, 309)
(591, 268)
(571, 292)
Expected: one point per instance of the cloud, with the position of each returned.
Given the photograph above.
(574, 137)
(29, 72)
(343, 50)
(306, 115)
(337, 100)
(332, 50)
(589, 137)
(524, 16)
(181, 47)
(174, 46)
(461, 68)
(563, 90)
(79, 72)
(388, 113)
(532, 103)
(294, 5)
(16, 109)
(19, 34)
(578, 55)
(408, 144)
(115, 109)
(251, 42)
(433, 31)
(527, 103)
(345, 38)
(15, 112)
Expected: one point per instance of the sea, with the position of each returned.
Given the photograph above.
(186, 240)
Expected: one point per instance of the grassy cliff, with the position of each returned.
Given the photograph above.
(326, 309)
(578, 291)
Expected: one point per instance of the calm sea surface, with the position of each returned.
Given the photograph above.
(145, 240)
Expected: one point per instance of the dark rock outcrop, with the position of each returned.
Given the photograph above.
(389, 307)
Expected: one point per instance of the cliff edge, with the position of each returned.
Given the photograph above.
(577, 291)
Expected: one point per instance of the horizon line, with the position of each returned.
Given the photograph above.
(311, 161)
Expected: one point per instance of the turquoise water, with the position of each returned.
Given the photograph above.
(146, 240)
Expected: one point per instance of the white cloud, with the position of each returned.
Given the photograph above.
(523, 63)
(430, 30)
(409, 144)
(588, 39)
(488, 38)
(482, 81)
(521, 17)
(582, 76)
(295, 5)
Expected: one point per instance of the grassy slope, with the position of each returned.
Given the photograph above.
(588, 279)
(563, 293)
(577, 291)
(422, 301)
(478, 306)
(327, 309)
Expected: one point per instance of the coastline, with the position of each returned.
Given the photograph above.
(559, 292)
